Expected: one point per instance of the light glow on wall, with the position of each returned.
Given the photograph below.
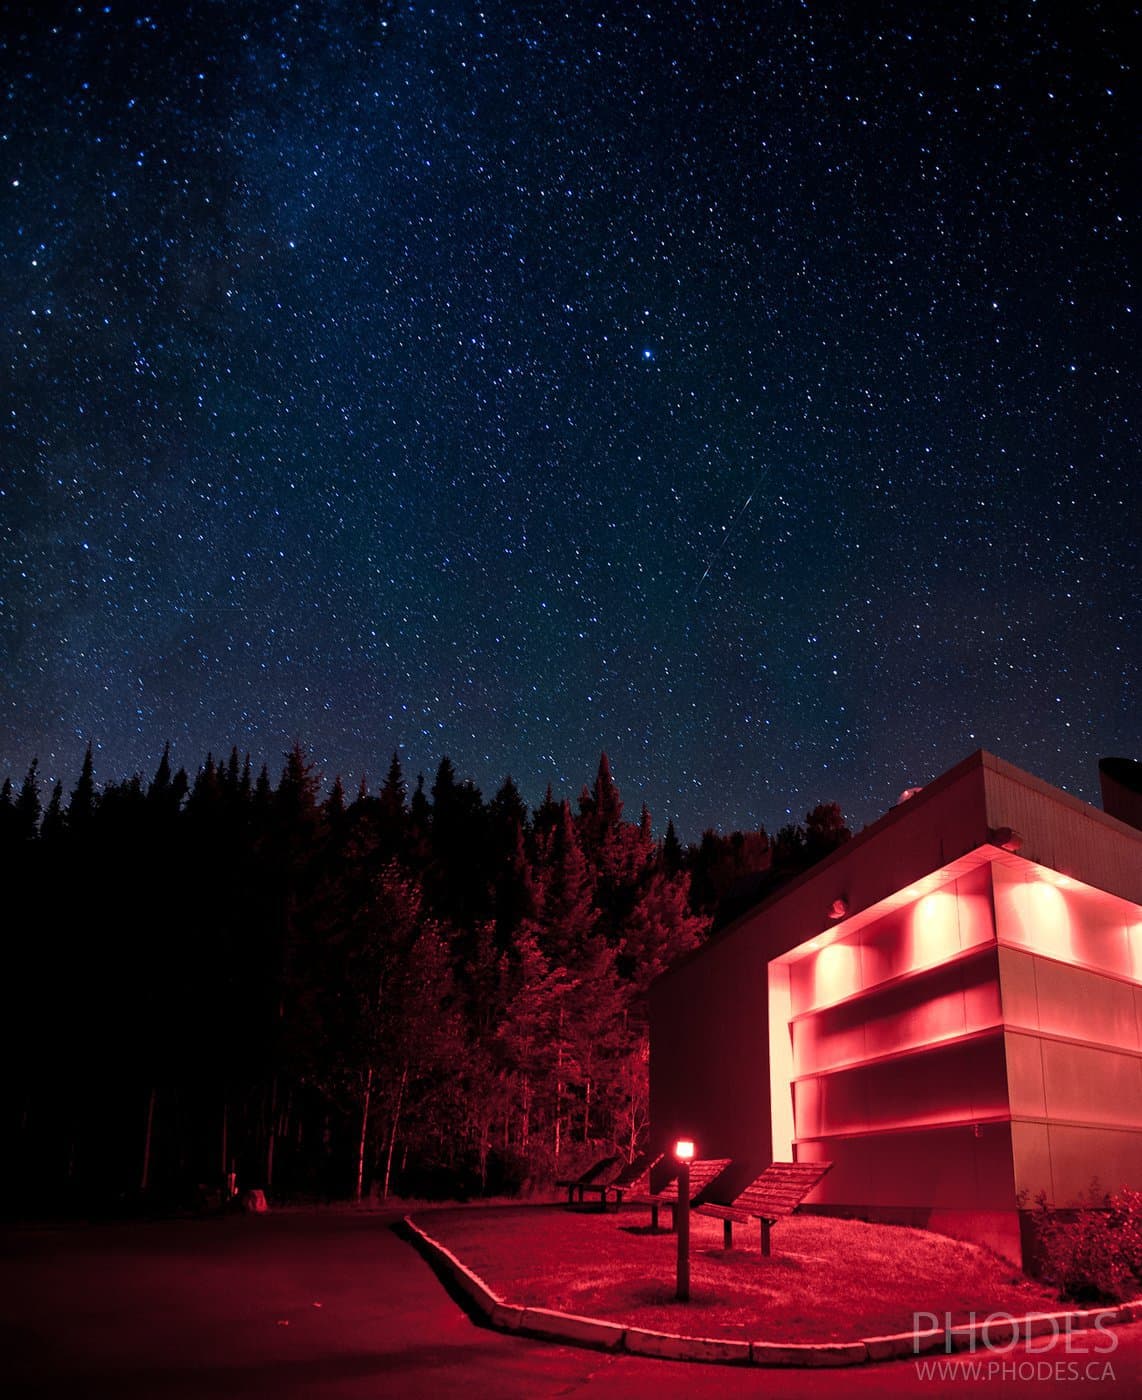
(1038, 917)
(933, 929)
(836, 973)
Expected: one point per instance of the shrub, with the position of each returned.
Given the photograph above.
(1092, 1253)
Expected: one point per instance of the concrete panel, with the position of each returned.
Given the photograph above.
(1031, 1153)
(945, 1167)
(1080, 1154)
(1085, 1005)
(808, 1109)
(1091, 1086)
(936, 1005)
(1017, 988)
(982, 1006)
(883, 949)
(1025, 1076)
(974, 908)
(957, 1082)
(1063, 833)
(1099, 938)
(830, 1038)
(994, 1171)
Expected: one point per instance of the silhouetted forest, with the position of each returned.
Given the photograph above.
(326, 995)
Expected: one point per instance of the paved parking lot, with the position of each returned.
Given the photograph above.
(339, 1306)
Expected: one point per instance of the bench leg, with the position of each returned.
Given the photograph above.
(765, 1226)
(674, 1219)
(727, 1234)
(654, 1217)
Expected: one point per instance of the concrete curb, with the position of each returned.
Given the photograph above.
(611, 1336)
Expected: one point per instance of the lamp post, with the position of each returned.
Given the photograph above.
(684, 1152)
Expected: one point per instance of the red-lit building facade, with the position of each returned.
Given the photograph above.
(948, 1008)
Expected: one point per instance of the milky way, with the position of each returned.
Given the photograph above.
(393, 377)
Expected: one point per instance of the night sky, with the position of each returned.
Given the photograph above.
(752, 398)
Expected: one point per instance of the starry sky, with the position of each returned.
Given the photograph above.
(747, 391)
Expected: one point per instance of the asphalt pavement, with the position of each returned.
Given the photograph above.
(339, 1305)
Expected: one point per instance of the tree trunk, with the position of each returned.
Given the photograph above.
(146, 1174)
(559, 1088)
(272, 1132)
(525, 1119)
(364, 1133)
(393, 1134)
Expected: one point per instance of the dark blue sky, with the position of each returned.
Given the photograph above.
(753, 398)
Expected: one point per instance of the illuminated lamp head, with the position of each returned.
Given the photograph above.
(684, 1150)
(839, 908)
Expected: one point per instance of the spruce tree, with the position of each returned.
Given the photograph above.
(28, 808)
(81, 807)
(7, 813)
(52, 826)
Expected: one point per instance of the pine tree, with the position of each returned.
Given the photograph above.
(394, 792)
(672, 853)
(608, 805)
(81, 807)
(567, 917)
(392, 812)
(161, 790)
(7, 814)
(28, 807)
(335, 803)
(52, 827)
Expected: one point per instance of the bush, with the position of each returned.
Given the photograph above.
(1094, 1253)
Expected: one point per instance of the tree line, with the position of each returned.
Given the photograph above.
(228, 980)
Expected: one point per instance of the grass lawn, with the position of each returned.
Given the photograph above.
(827, 1280)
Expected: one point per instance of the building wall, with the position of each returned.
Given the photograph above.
(968, 1030)
(708, 1056)
(1070, 961)
(709, 1020)
(898, 1072)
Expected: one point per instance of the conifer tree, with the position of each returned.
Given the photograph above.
(52, 827)
(161, 789)
(28, 808)
(567, 917)
(81, 807)
(608, 805)
(394, 793)
(672, 853)
(7, 813)
(392, 811)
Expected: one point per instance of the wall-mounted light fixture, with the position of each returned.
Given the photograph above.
(839, 908)
(1006, 838)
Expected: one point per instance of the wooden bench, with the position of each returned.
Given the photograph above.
(634, 1177)
(702, 1174)
(601, 1169)
(777, 1192)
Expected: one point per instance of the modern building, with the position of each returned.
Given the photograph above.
(948, 1008)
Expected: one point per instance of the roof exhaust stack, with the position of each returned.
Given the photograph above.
(1121, 782)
